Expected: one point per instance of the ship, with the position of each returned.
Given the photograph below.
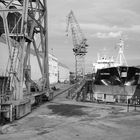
(103, 62)
(115, 81)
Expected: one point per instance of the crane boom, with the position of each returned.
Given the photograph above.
(79, 43)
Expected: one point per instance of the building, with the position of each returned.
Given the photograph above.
(53, 69)
(63, 72)
(57, 70)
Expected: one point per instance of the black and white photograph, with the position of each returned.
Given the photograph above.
(69, 69)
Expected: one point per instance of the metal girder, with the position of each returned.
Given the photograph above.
(121, 58)
(25, 23)
(80, 66)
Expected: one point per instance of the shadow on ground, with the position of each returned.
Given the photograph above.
(67, 110)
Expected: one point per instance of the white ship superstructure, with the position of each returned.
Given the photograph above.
(103, 62)
(106, 62)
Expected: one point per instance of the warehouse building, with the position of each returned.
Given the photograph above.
(58, 72)
(63, 73)
(53, 69)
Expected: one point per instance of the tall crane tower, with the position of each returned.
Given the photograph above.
(23, 27)
(79, 43)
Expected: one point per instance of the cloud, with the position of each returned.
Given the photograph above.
(97, 18)
(108, 35)
(92, 26)
(135, 28)
(103, 27)
(100, 27)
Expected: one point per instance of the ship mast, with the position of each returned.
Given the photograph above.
(121, 61)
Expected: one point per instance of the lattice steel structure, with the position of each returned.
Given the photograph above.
(121, 58)
(23, 27)
(79, 43)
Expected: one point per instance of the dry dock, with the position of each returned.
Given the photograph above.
(64, 119)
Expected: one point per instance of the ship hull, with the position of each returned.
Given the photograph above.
(113, 93)
(116, 84)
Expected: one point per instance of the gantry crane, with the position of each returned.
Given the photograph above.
(79, 43)
(23, 27)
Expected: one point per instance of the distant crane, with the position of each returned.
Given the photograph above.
(79, 43)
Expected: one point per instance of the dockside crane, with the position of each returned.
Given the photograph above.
(79, 45)
(23, 27)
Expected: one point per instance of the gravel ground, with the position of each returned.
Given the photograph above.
(63, 119)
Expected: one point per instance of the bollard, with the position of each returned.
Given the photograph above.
(128, 102)
(135, 102)
(135, 106)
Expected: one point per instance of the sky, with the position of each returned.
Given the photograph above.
(102, 22)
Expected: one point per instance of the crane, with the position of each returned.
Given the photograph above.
(23, 23)
(79, 45)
